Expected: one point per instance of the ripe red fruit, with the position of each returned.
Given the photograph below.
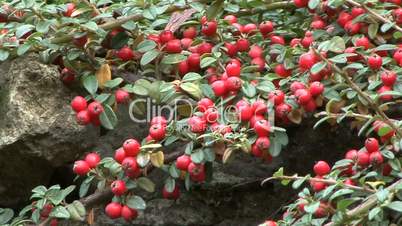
(95, 108)
(357, 11)
(352, 58)
(374, 62)
(294, 42)
(219, 88)
(242, 45)
(204, 47)
(186, 43)
(363, 42)
(260, 62)
(92, 159)
(255, 51)
(130, 167)
(231, 49)
(81, 167)
(321, 168)
(270, 223)
(262, 128)
(159, 120)
(384, 89)
(190, 32)
(83, 117)
(131, 147)
(277, 97)
(233, 69)
(209, 28)
(316, 88)
(306, 61)
(157, 132)
(67, 76)
(122, 96)
(311, 106)
(249, 28)
(119, 155)
(296, 86)
(211, 115)
(197, 171)
(254, 119)
(388, 78)
(397, 13)
(233, 83)
(79, 103)
(125, 54)
(372, 145)
(128, 214)
(54, 222)
(113, 210)
(204, 104)
(173, 46)
(118, 187)
(300, 3)
(398, 56)
(352, 28)
(244, 110)
(281, 71)
(317, 185)
(70, 8)
(171, 195)
(182, 162)
(46, 210)
(194, 61)
(352, 155)
(349, 182)
(303, 96)
(166, 36)
(256, 151)
(308, 39)
(282, 111)
(197, 124)
(376, 158)
(343, 18)
(80, 40)
(276, 39)
(262, 143)
(318, 24)
(183, 67)
(363, 158)
(266, 27)
(259, 107)
(231, 19)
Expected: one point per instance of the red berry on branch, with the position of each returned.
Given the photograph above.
(79, 103)
(388, 78)
(262, 143)
(113, 210)
(266, 27)
(92, 159)
(190, 32)
(219, 88)
(166, 36)
(122, 96)
(321, 168)
(95, 108)
(157, 132)
(374, 62)
(81, 167)
(83, 118)
(118, 187)
(243, 45)
(182, 162)
(372, 145)
(128, 213)
(262, 128)
(119, 155)
(231, 19)
(173, 46)
(376, 158)
(175, 194)
(125, 54)
(131, 147)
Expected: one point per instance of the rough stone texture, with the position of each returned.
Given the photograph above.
(37, 127)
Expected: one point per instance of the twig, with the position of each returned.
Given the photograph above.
(336, 115)
(374, 14)
(361, 93)
(326, 181)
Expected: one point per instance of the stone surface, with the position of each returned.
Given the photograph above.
(37, 128)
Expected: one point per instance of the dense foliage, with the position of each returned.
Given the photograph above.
(242, 72)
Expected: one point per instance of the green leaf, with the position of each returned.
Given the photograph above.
(312, 4)
(386, 47)
(170, 184)
(151, 146)
(146, 184)
(23, 29)
(207, 91)
(275, 148)
(341, 192)
(197, 156)
(136, 202)
(385, 27)
(374, 212)
(60, 212)
(173, 59)
(43, 26)
(5, 215)
(192, 89)
(384, 130)
(214, 9)
(298, 183)
(373, 30)
(249, 90)
(23, 48)
(173, 171)
(192, 76)
(41, 190)
(90, 84)
(312, 207)
(90, 25)
(318, 67)
(207, 61)
(146, 46)
(113, 83)
(108, 118)
(396, 205)
(337, 45)
(4, 54)
(149, 57)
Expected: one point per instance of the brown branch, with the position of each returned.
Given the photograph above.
(361, 93)
(326, 181)
(336, 115)
(374, 14)
(370, 202)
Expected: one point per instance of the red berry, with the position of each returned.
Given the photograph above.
(204, 104)
(294, 42)
(128, 214)
(270, 223)
(343, 18)
(119, 155)
(79, 103)
(277, 97)
(83, 117)
(173, 46)
(388, 78)
(242, 45)
(322, 168)
(197, 124)
(255, 118)
(211, 115)
(262, 128)
(125, 54)
(363, 158)
(122, 96)
(95, 108)
(357, 11)
(372, 145)
(171, 195)
(194, 61)
(256, 151)
(316, 88)
(249, 28)
(266, 27)
(352, 28)
(67, 76)
(276, 39)
(311, 106)
(130, 167)
(281, 71)
(231, 49)
(204, 47)
(282, 111)
(219, 88)
(190, 32)
(318, 24)
(255, 52)
(300, 3)
(244, 110)
(54, 222)
(231, 19)
(303, 96)
(118, 187)
(166, 36)
(159, 120)
(196, 169)
(258, 62)
(262, 143)
(376, 158)
(46, 210)
(209, 28)
(317, 185)
(383, 89)
(131, 147)
(374, 62)
(182, 162)
(307, 40)
(157, 132)
(113, 210)
(183, 67)
(296, 86)
(259, 107)
(92, 159)
(363, 42)
(81, 167)
(80, 40)
(306, 61)
(186, 43)
(70, 8)
(351, 154)
(233, 69)
(233, 83)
